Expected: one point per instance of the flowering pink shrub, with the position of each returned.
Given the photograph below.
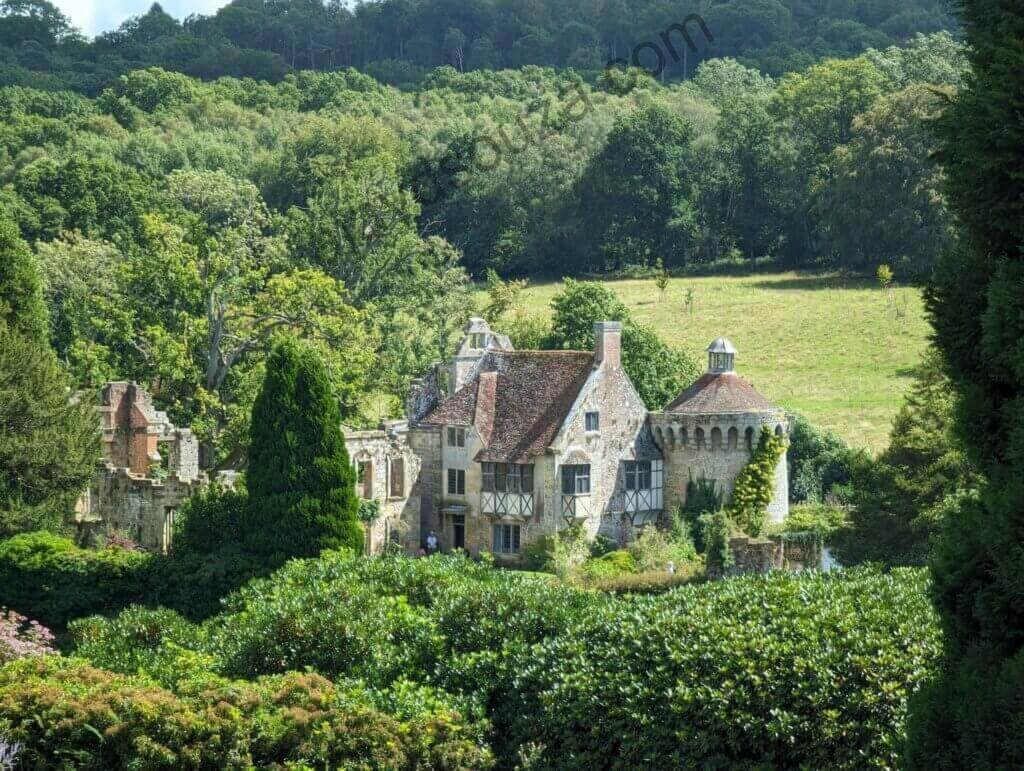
(21, 636)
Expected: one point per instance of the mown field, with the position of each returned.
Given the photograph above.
(832, 348)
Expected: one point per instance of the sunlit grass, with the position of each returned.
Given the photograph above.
(831, 348)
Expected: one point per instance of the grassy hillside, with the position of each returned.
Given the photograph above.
(831, 348)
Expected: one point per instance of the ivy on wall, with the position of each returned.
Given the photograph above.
(755, 484)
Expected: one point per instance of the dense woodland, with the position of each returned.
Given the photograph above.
(400, 40)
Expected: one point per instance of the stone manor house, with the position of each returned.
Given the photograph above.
(499, 448)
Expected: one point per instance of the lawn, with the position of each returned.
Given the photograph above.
(832, 348)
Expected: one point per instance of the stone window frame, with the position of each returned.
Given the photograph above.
(506, 538)
(364, 477)
(393, 463)
(456, 478)
(456, 437)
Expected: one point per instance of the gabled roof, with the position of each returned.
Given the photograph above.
(718, 392)
(518, 401)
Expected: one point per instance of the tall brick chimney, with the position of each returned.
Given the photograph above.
(608, 344)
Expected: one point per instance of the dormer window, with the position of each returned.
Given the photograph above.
(478, 340)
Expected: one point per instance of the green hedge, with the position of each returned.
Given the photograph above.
(49, 578)
(789, 671)
(782, 671)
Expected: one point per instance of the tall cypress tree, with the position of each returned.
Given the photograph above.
(973, 716)
(301, 485)
(49, 445)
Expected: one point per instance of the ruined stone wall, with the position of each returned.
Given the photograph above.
(749, 556)
(142, 508)
(134, 491)
(390, 459)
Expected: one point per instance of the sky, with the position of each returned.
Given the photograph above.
(95, 16)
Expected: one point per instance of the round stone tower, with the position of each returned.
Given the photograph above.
(710, 429)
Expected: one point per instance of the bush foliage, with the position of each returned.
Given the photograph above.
(51, 579)
(64, 709)
(788, 670)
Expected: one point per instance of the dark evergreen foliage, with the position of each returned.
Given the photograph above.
(974, 715)
(901, 499)
(21, 296)
(301, 485)
(49, 445)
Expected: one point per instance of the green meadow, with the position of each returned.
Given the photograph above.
(838, 350)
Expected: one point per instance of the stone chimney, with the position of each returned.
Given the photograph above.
(608, 344)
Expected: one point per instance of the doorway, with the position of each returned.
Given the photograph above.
(459, 531)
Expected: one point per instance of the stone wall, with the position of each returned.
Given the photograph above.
(425, 442)
(391, 469)
(142, 508)
(750, 556)
(623, 435)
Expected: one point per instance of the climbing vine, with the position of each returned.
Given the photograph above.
(369, 510)
(755, 484)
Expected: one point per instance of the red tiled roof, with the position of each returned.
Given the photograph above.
(518, 402)
(719, 392)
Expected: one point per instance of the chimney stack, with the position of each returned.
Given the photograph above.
(608, 344)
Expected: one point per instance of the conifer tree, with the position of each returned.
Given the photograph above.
(301, 485)
(49, 444)
(973, 716)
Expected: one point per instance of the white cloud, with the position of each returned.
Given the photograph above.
(96, 16)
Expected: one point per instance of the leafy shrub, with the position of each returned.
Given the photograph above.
(62, 708)
(821, 463)
(820, 519)
(655, 582)
(284, 623)
(209, 520)
(836, 657)
(716, 530)
(602, 545)
(610, 565)
(653, 550)
(50, 578)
